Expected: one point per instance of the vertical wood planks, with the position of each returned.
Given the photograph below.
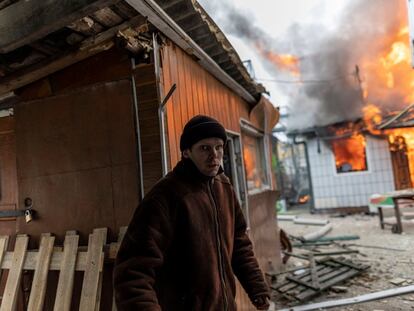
(67, 273)
(198, 92)
(38, 290)
(15, 273)
(121, 235)
(92, 280)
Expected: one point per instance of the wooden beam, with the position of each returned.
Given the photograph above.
(86, 26)
(26, 21)
(88, 48)
(107, 17)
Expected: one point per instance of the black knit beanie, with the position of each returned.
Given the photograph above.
(200, 127)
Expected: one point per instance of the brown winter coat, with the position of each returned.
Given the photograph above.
(184, 245)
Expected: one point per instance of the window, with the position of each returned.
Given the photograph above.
(254, 152)
(350, 154)
(233, 168)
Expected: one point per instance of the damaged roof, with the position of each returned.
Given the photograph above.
(39, 37)
(404, 118)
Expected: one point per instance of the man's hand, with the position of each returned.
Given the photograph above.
(261, 302)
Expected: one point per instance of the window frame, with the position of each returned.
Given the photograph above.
(362, 172)
(251, 130)
(238, 172)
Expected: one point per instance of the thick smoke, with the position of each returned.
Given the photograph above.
(331, 90)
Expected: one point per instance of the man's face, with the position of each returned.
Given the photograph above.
(207, 155)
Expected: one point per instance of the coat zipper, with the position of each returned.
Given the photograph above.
(218, 239)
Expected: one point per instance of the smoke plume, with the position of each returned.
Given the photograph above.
(331, 87)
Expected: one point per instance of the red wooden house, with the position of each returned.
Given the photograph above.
(93, 97)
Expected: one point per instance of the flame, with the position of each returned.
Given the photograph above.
(350, 153)
(251, 163)
(285, 62)
(372, 118)
(388, 75)
(303, 199)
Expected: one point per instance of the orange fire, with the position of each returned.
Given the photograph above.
(303, 199)
(372, 118)
(350, 153)
(388, 83)
(388, 76)
(285, 62)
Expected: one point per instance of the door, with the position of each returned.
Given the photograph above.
(400, 164)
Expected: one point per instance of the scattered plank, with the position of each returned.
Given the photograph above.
(312, 222)
(354, 300)
(336, 238)
(322, 275)
(376, 247)
(317, 234)
(286, 217)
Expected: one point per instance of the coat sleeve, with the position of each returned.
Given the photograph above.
(140, 255)
(244, 262)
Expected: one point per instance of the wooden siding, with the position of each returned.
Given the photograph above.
(76, 150)
(148, 104)
(198, 92)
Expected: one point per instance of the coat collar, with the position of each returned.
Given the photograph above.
(187, 168)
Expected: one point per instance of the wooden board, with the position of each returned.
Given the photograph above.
(38, 290)
(13, 281)
(320, 276)
(92, 277)
(67, 273)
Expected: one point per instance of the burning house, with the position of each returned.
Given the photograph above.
(349, 161)
(350, 104)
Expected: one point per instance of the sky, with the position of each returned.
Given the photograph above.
(274, 17)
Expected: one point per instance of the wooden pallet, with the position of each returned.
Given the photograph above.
(321, 275)
(66, 260)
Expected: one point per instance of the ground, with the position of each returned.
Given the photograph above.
(386, 265)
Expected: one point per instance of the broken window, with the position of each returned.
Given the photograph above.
(350, 154)
(254, 161)
(233, 168)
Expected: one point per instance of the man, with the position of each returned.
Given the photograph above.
(187, 238)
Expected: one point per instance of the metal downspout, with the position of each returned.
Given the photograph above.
(137, 130)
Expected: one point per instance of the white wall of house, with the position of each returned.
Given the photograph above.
(353, 189)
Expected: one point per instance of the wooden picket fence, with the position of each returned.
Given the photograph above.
(67, 260)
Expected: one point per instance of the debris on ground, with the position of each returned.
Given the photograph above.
(321, 275)
(391, 258)
(354, 300)
(317, 234)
